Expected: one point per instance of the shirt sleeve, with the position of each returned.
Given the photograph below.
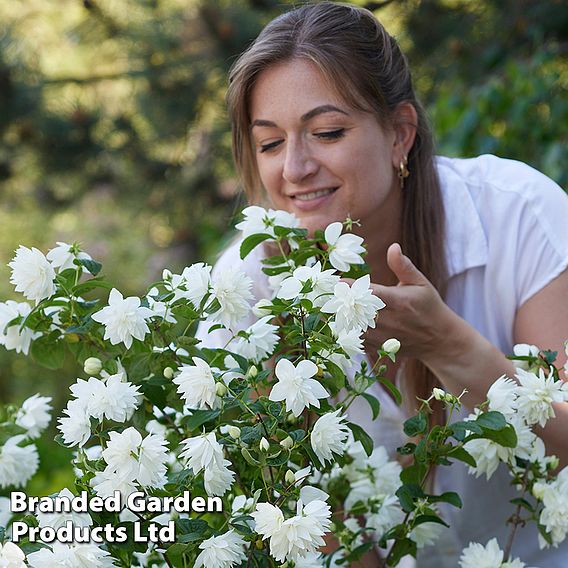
(542, 247)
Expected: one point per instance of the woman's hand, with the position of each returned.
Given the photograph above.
(415, 314)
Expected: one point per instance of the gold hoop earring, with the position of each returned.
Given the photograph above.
(403, 172)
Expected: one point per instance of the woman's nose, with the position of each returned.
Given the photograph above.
(299, 163)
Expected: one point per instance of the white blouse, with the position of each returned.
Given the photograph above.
(506, 238)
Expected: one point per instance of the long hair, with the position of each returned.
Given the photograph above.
(365, 65)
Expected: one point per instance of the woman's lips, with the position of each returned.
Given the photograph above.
(313, 199)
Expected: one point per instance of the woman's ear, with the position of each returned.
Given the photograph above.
(405, 123)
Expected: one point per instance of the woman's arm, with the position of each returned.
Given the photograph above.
(457, 353)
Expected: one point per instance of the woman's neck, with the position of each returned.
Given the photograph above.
(381, 230)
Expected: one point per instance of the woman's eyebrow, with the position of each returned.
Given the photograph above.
(304, 118)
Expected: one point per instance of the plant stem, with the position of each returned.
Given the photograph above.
(515, 520)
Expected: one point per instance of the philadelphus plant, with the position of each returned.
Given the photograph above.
(199, 386)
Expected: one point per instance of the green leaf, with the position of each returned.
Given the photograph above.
(491, 420)
(416, 425)
(506, 437)
(413, 474)
(188, 530)
(523, 503)
(91, 284)
(392, 389)
(450, 497)
(336, 381)
(251, 434)
(92, 266)
(248, 457)
(407, 493)
(460, 428)
(361, 436)
(400, 549)
(373, 403)
(252, 242)
(200, 417)
(421, 519)
(463, 455)
(49, 353)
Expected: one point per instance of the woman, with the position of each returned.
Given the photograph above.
(470, 256)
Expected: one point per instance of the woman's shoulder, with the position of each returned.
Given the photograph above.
(500, 179)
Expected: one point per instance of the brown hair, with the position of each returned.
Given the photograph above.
(364, 63)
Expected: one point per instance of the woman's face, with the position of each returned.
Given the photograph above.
(317, 157)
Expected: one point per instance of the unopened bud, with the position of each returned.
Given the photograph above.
(319, 373)
(291, 419)
(259, 545)
(252, 372)
(220, 389)
(439, 394)
(168, 373)
(538, 490)
(287, 443)
(93, 366)
(234, 432)
(553, 462)
(290, 478)
(264, 445)
(166, 274)
(259, 308)
(391, 346)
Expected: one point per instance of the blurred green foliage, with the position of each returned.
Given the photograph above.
(113, 130)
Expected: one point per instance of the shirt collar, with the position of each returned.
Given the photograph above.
(466, 243)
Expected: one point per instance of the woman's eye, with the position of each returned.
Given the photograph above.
(269, 146)
(331, 134)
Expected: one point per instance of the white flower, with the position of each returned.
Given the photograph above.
(197, 279)
(197, 384)
(488, 556)
(389, 515)
(502, 396)
(259, 220)
(343, 249)
(160, 309)
(554, 516)
(296, 537)
(32, 274)
(262, 308)
(426, 534)
(137, 459)
(329, 435)
(201, 452)
(351, 341)
(123, 318)
(34, 415)
(120, 399)
(296, 387)
(11, 556)
(76, 425)
(15, 336)
(17, 464)
(231, 288)
(63, 255)
(311, 560)
(57, 520)
(106, 482)
(218, 478)
(221, 551)
(74, 555)
(260, 341)
(354, 306)
(487, 455)
(524, 350)
(536, 395)
(321, 284)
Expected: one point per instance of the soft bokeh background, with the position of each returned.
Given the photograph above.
(113, 131)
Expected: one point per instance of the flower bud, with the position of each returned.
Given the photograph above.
(259, 308)
(264, 445)
(252, 372)
(168, 373)
(291, 419)
(538, 490)
(290, 477)
(553, 462)
(391, 346)
(166, 274)
(92, 366)
(234, 432)
(287, 443)
(220, 389)
(439, 394)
